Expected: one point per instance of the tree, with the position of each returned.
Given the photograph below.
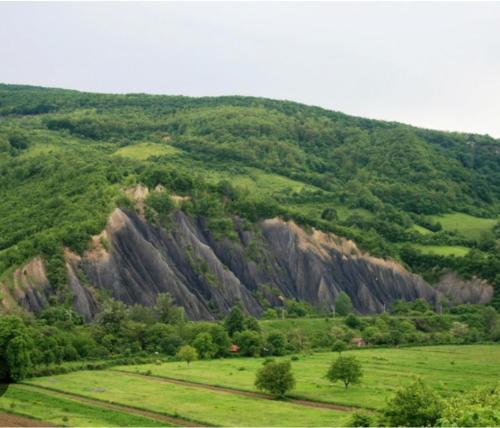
(168, 312)
(187, 353)
(353, 321)
(252, 324)
(18, 355)
(346, 369)
(221, 340)
(16, 349)
(343, 304)
(329, 214)
(205, 345)
(276, 378)
(415, 405)
(249, 342)
(339, 346)
(235, 321)
(276, 344)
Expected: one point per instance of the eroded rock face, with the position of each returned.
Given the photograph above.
(458, 290)
(135, 261)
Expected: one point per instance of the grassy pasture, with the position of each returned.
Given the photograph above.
(65, 412)
(308, 326)
(468, 226)
(197, 404)
(257, 181)
(421, 230)
(443, 250)
(143, 151)
(447, 368)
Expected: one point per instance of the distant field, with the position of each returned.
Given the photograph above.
(421, 229)
(197, 404)
(469, 226)
(143, 151)
(309, 326)
(314, 209)
(256, 180)
(448, 368)
(443, 250)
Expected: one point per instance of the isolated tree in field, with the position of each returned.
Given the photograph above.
(339, 346)
(415, 405)
(343, 304)
(275, 378)
(187, 353)
(346, 369)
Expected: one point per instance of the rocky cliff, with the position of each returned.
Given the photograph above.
(133, 261)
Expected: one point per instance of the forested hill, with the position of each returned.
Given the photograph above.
(428, 199)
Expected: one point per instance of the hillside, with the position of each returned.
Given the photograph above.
(227, 170)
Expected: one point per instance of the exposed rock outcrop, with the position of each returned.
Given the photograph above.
(458, 290)
(135, 261)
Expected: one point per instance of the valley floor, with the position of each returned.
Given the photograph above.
(221, 392)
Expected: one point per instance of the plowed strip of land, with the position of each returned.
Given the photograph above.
(223, 389)
(118, 407)
(10, 420)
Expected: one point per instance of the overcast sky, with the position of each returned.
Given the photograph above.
(429, 64)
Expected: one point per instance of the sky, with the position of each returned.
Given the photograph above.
(435, 65)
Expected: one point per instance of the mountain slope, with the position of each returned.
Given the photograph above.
(67, 157)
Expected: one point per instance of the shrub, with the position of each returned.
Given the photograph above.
(275, 378)
(187, 353)
(415, 405)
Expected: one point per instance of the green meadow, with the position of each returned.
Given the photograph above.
(468, 226)
(443, 250)
(449, 369)
(196, 404)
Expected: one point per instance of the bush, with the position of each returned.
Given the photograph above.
(187, 353)
(249, 342)
(415, 405)
(360, 420)
(276, 344)
(276, 378)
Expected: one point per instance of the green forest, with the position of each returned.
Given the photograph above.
(429, 199)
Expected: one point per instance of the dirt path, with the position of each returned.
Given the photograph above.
(307, 403)
(118, 407)
(10, 420)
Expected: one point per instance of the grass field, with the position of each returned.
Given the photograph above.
(443, 250)
(309, 326)
(257, 181)
(65, 412)
(448, 368)
(421, 230)
(468, 226)
(197, 404)
(143, 151)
